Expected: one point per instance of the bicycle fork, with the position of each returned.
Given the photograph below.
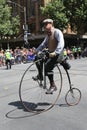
(71, 90)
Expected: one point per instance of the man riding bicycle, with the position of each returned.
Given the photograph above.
(54, 41)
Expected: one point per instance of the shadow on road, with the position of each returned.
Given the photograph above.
(19, 112)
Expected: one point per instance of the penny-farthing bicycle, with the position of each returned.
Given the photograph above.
(33, 93)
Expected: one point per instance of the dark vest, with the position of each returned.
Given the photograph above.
(52, 42)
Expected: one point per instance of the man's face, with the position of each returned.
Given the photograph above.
(48, 27)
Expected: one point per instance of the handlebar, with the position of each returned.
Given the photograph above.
(43, 54)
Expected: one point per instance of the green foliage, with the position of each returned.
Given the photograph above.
(68, 11)
(76, 11)
(8, 25)
(2, 2)
(56, 11)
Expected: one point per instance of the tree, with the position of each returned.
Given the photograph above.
(56, 11)
(76, 12)
(9, 26)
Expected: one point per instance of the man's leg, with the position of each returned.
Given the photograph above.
(49, 65)
(40, 69)
(39, 66)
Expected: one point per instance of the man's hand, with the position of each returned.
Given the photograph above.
(45, 49)
(34, 50)
(52, 54)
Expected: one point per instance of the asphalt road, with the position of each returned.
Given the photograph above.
(60, 117)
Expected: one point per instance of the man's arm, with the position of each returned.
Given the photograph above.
(42, 45)
(60, 39)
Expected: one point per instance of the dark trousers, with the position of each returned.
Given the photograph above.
(49, 65)
(8, 63)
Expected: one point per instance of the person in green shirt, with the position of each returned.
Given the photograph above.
(8, 58)
(74, 50)
(79, 52)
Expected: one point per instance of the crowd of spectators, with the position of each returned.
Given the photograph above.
(25, 55)
(73, 53)
(18, 56)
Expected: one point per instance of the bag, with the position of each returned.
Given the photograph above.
(66, 65)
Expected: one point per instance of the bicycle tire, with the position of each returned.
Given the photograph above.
(32, 96)
(73, 96)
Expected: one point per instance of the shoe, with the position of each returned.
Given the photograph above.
(37, 78)
(51, 89)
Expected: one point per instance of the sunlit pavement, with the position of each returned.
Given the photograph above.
(60, 117)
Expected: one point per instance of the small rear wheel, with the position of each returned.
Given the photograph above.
(73, 97)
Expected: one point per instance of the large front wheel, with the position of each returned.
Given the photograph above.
(33, 95)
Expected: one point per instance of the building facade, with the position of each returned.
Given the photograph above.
(33, 15)
(30, 15)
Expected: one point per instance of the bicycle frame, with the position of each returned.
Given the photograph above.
(68, 78)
